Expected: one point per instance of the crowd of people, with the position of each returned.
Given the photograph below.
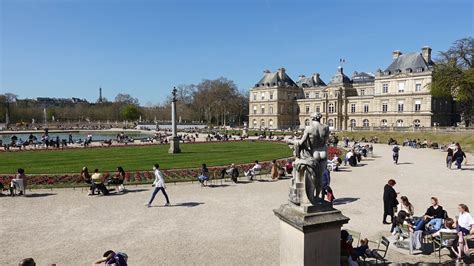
(434, 221)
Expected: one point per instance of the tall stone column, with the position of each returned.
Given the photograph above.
(174, 142)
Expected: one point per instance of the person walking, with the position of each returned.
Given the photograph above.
(459, 156)
(159, 184)
(396, 153)
(449, 158)
(390, 201)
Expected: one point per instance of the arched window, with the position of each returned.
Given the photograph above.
(383, 123)
(306, 122)
(365, 122)
(262, 123)
(254, 123)
(399, 123)
(416, 122)
(353, 123)
(331, 108)
(330, 123)
(270, 123)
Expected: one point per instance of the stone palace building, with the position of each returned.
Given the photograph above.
(397, 97)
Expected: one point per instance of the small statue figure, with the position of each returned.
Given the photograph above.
(311, 159)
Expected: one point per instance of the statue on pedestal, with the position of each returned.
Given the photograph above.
(311, 159)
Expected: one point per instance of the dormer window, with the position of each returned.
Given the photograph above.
(398, 71)
(268, 84)
(408, 70)
(420, 69)
(256, 85)
(386, 72)
(273, 84)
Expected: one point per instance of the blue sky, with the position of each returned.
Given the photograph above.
(65, 48)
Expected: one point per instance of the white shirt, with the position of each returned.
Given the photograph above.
(256, 167)
(465, 220)
(349, 154)
(159, 180)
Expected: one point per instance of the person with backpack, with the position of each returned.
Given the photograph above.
(396, 153)
(159, 184)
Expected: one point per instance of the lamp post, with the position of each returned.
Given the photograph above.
(174, 142)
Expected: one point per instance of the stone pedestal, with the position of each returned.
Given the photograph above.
(310, 236)
(174, 145)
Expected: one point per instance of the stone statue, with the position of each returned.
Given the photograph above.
(311, 159)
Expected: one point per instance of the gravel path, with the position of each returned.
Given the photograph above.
(228, 224)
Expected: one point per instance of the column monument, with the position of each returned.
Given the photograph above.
(310, 228)
(174, 142)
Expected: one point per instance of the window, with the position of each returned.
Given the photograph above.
(385, 88)
(400, 106)
(416, 123)
(362, 92)
(254, 109)
(270, 109)
(365, 123)
(384, 107)
(318, 108)
(316, 95)
(262, 96)
(401, 87)
(353, 123)
(289, 96)
(254, 122)
(306, 109)
(306, 95)
(306, 122)
(311, 95)
(418, 86)
(270, 123)
(383, 123)
(353, 107)
(271, 95)
(417, 105)
(262, 123)
(254, 96)
(330, 123)
(262, 109)
(399, 123)
(366, 107)
(331, 108)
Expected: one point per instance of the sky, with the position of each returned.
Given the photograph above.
(68, 48)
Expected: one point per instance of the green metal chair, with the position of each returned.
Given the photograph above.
(444, 240)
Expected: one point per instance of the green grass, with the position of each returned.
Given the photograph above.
(466, 139)
(141, 157)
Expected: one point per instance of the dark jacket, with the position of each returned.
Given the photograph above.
(389, 199)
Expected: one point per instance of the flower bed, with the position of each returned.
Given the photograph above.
(134, 177)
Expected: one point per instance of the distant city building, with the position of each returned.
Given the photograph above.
(395, 97)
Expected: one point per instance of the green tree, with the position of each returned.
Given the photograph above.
(131, 112)
(453, 76)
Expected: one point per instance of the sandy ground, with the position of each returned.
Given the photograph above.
(228, 224)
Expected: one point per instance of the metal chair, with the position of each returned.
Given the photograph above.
(380, 252)
(444, 240)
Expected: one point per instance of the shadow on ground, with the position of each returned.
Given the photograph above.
(183, 204)
(342, 201)
(39, 195)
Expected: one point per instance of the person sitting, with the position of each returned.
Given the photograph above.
(289, 167)
(407, 207)
(204, 174)
(118, 179)
(449, 226)
(86, 177)
(112, 258)
(98, 183)
(464, 225)
(433, 217)
(254, 170)
(334, 163)
(349, 254)
(18, 183)
(274, 170)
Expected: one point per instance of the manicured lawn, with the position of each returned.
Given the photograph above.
(141, 157)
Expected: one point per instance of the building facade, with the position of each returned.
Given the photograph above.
(395, 97)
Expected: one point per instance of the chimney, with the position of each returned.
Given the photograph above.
(426, 53)
(316, 77)
(281, 72)
(396, 54)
